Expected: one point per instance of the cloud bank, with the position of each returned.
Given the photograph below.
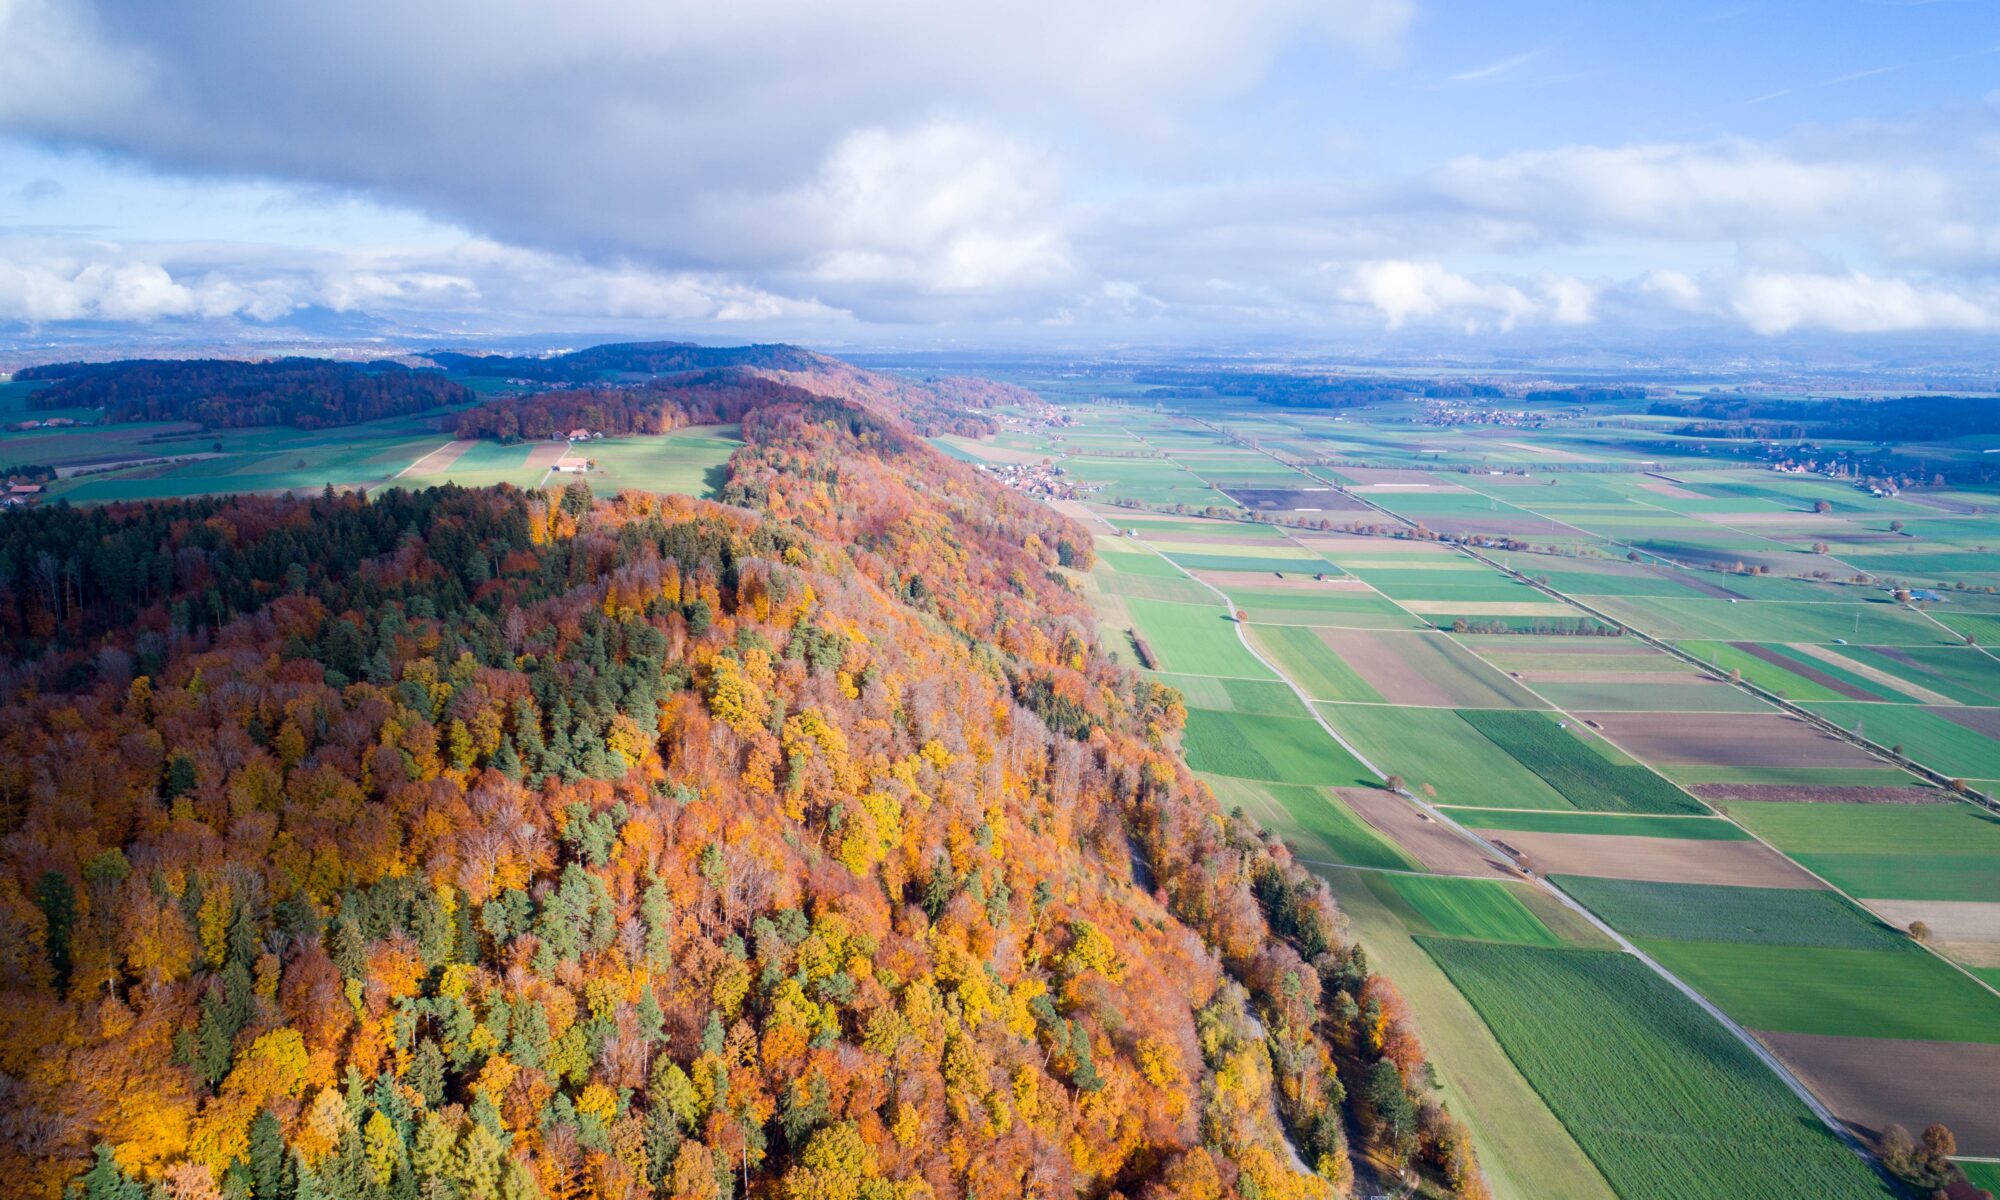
(894, 164)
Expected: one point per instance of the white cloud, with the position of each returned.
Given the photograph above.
(1677, 289)
(1402, 291)
(1725, 190)
(1854, 303)
(947, 209)
(44, 281)
(659, 133)
(786, 163)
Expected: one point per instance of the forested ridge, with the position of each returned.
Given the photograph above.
(647, 387)
(500, 844)
(307, 393)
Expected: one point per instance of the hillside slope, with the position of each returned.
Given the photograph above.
(489, 843)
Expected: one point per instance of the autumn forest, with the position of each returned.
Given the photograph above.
(462, 844)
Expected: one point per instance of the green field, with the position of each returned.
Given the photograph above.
(1875, 624)
(1886, 851)
(692, 461)
(1966, 674)
(1711, 829)
(1128, 560)
(1524, 1150)
(1900, 993)
(1210, 560)
(1668, 695)
(1486, 910)
(1335, 609)
(1772, 677)
(1576, 769)
(1925, 734)
(1272, 749)
(1434, 748)
(1194, 639)
(1314, 821)
(1665, 1101)
(1311, 663)
(1715, 913)
(1266, 697)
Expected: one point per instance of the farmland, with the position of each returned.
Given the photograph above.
(1435, 749)
(1481, 909)
(1272, 749)
(1580, 771)
(1587, 756)
(1840, 991)
(1944, 851)
(1318, 824)
(1666, 1103)
(1751, 916)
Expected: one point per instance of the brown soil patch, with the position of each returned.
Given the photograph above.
(1428, 841)
(1972, 954)
(1950, 920)
(1984, 721)
(1668, 860)
(439, 459)
(1660, 487)
(1873, 1083)
(1803, 671)
(1728, 740)
(1791, 793)
(1696, 583)
(1421, 668)
(547, 454)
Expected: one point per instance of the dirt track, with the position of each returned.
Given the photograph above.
(440, 459)
(1429, 842)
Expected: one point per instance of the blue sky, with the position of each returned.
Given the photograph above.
(1359, 172)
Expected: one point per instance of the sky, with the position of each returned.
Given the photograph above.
(1037, 172)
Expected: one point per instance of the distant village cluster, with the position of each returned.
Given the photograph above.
(1043, 480)
(1861, 474)
(1460, 412)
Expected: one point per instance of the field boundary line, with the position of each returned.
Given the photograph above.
(419, 458)
(552, 466)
